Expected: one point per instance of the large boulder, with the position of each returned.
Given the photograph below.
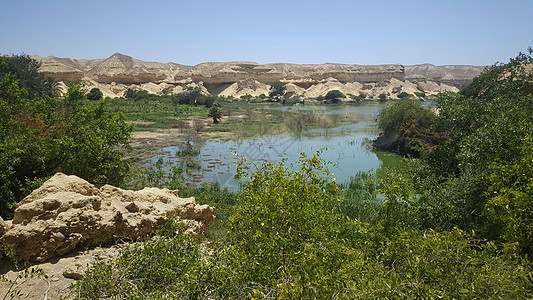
(67, 212)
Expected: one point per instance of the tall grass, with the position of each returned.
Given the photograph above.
(360, 198)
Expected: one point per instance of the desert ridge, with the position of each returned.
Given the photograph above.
(119, 72)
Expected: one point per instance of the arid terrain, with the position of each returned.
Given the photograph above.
(119, 72)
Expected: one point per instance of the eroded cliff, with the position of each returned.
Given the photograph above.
(119, 72)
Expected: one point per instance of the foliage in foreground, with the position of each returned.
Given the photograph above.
(510, 209)
(288, 238)
(483, 165)
(476, 173)
(42, 133)
(167, 266)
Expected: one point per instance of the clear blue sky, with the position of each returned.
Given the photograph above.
(477, 32)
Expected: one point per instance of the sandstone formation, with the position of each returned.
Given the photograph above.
(119, 72)
(451, 75)
(247, 86)
(67, 212)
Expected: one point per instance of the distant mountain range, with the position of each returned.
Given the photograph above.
(119, 72)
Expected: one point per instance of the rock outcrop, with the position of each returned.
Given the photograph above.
(67, 212)
(451, 75)
(246, 86)
(119, 72)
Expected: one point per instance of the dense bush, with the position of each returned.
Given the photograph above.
(288, 238)
(293, 232)
(474, 176)
(425, 264)
(95, 94)
(26, 72)
(511, 79)
(215, 113)
(277, 89)
(191, 96)
(41, 134)
(403, 95)
(510, 207)
(168, 266)
(130, 94)
(334, 95)
(283, 220)
(407, 123)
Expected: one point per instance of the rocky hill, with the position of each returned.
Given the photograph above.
(119, 72)
(454, 75)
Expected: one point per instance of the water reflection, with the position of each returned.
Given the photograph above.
(346, 144)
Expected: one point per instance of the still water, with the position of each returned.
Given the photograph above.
(344, 130)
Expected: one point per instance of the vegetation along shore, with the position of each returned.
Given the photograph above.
(445, 212)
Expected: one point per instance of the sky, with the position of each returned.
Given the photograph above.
(462, 32)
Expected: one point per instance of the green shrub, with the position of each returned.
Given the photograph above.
(213, 195)
(512, 79)
(414, 264)
(334, 95)
(277, 89)
(26, 72)
(42, 136)
(95, 94)
(485, 126)
(158, 268)
(286, 224)
(403, 95)
(130, 94)
(408, 122)
(510, 207)
(288, 238)
(246, 97)
(215, 113)
(161, 174)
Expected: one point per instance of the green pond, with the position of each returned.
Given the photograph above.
(343, 132)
